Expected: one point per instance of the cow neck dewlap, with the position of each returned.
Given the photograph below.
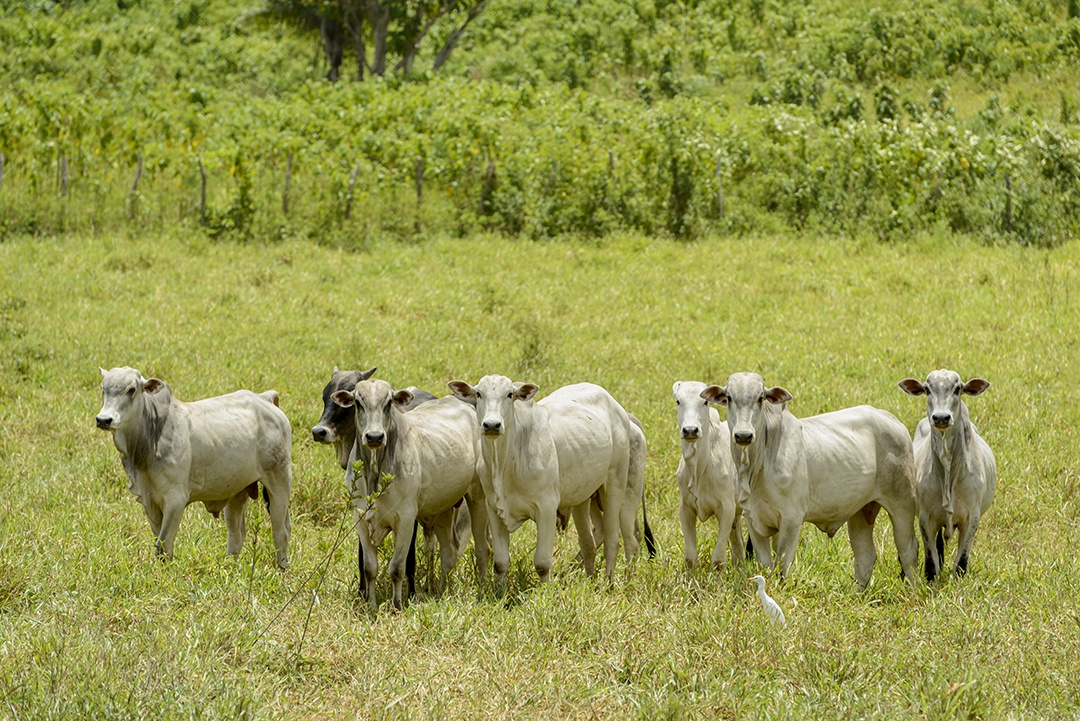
(693, 461)
(496, 455)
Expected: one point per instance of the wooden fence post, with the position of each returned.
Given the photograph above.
(719, 188)
(1008, 202)
(419, 181)
(551, 177)
(135, 188)
(288, 178)
(485, 191)
(349, 195)
(63, 176)
(202, 192)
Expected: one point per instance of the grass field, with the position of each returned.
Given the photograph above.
(91, 626)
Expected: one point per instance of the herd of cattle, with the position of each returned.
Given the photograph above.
(490, 457)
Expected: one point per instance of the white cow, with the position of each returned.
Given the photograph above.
(416, 466)
(954, 466)
(706, 475)
(213, 450)
(540, 458)
(831, 469)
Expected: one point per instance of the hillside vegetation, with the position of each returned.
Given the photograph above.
(553, 118)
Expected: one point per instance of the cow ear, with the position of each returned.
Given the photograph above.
(715, 394)
(525, 391)
(777, 395)
(336, 369)
(364, 375)
(912, 386)
(675, 387)
(153, 385)
(344, 399)
(402, 397)
(462, 390)
(975, 386)
(103, 371)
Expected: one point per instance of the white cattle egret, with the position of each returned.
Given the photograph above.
(771, 607)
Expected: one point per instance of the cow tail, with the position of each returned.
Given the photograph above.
(410, 561)
(266, 499)
(650, 541)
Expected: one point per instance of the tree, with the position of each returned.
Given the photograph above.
(395, 29)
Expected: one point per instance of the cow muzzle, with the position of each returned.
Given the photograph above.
(322, 434)
(691, 433)
(375, 439)
(105, 423)
(941, 421)
(743, 438)
(492, 428)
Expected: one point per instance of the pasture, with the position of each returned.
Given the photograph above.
(91, 626)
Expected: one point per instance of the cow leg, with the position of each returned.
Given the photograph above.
(861, 535)
(735, 542)
(402, 540)
(171, 512)
(725, 521)
(236, 523)
(688, 521)
(787, 542)
(462, 530)
(500, 546)
(596, 526)
(628, 526)
(545, 543)
(907, 543)
(444, 530)
(410, 561)
(964, 543)
(281, 524)
(481, 549)
(368, 560)
(586, 540)
(153, 514)
(763, 546)
(932, 547)
(612, 498)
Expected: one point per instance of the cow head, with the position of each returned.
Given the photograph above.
(494, 397)
(692, 410)
(122, 391)
(337, 420)
(745, 396)
(373, 402)
(943, 390)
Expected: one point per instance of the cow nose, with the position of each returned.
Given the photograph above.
(743, 438)
(104, 422)
(941, 420)
(374, 439)
(492, 428)
(691, 433)
(321, 434)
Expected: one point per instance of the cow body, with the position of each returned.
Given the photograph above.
(213, 450)
(954, 468)
(706, 476)
(832, 469)
(416, 466)
(538, 459)
(337, 426)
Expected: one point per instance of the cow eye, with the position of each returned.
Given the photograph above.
(478, 394)
(510, 394)
(131, 391)
(678, 402)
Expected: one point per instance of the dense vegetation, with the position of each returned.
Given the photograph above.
(550, 118)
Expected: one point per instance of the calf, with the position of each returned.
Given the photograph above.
(540, 458)
(830, 469)
(416, 466)
(954, 467)
(214, 450)
(706, 475)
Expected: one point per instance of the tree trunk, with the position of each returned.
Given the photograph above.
(452, 41)
(333, 44)
(379, 17)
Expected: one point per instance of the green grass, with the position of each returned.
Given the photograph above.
(91, 626)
